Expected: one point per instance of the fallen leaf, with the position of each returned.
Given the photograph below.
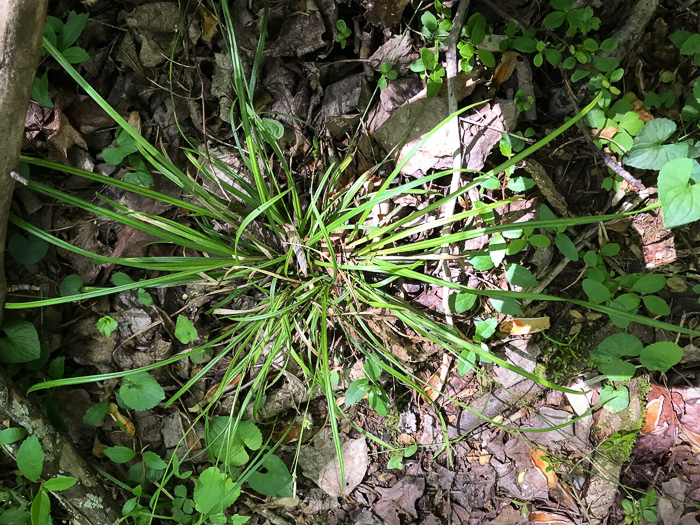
(386, 13)
(536, 455)
(208, 22)
(524, 325)
(537, 516)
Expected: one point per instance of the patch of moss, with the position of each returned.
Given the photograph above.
(562, 360)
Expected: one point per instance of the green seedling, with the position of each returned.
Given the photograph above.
(107, 325)
(641, 511)
(344, 33)
(429, 67)
(62, 36)
(388, 73)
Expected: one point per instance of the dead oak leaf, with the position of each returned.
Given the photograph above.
(63, 137)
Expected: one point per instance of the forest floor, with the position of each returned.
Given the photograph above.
(320, 80)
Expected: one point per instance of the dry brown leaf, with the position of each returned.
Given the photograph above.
(208, 22)
(505, 68)
(524, 325)
(536, 455)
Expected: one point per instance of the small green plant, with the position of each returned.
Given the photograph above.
(62, 36)
(358, 389)
(619, 446)
(388, 73)
(642, 510)
(430, 68)
(107, 325)
(523, 101)
(687, 43)
(660, 356)
(30, 463)
(473, 34)
(435, 30)
(344, 33)
(396, 460)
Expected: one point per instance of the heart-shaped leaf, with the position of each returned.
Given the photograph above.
(27, 250)
(679, 192)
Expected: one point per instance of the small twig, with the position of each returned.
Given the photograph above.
(607, 159)
(449, 209)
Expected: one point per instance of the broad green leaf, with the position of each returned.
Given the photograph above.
(614, 400)
(508, 306)
(596, 292)
(649, 151)
(497, 249)
(140, 391)
(566, 246)
(379, 400)
(356, 391)
(10, 435)
(71, 285)
(120, 279)
(213, 492)
(466, 362)
(463, 301)
(515, 246)
(276, 481)
(30, 458)
(119, 454)
(519, 184)
(60, 483)
(428, 58)
(539, 241)
(229, 447)
(481, 261)
(613, 367)
(40, 91)
(273, 127)
(619, 345)
(95, 413)
(27, 250)
(661, 356)
(656, 305)
(20, 342)
(679, 192)
(520, 276)
(485, 329)
(75, 55)
(154, 461)
(185, 330)
(372, 369)
(107, 325)
(73, 27)
(554, 19)
(395, 462)
(649, 283)
(610, 249)
(486, 57)
(41, 508)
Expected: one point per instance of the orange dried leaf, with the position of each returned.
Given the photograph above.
(524, 325)
(537, 456)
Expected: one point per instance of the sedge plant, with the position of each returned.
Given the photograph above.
(312, 265)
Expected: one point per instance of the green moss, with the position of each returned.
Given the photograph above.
(562, 360)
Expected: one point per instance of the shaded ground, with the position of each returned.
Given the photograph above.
(488, 475)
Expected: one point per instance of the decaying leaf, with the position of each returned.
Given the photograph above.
(524, 325)
(545, 467)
